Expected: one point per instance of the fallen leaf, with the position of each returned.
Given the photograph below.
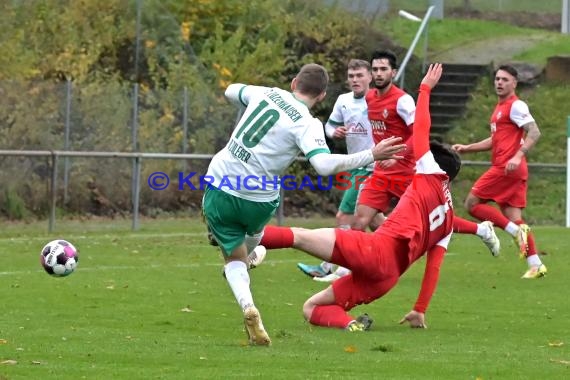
(36, 362)
(186, 310)
(9, 362)
(111, 287)
(350, 349)
(555, 344)
(203, 358)
(3, 341)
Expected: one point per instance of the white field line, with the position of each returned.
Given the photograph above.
(153, 266)
(159, 266)
(131, 235)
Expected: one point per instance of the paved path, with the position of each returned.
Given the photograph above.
(483, 52)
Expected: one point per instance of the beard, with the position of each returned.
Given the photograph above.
(382, 86)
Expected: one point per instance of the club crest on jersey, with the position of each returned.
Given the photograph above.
(385, 113)
(499, 115)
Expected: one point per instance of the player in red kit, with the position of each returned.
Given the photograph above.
(421, 222)
(505, 183)
(391, 113)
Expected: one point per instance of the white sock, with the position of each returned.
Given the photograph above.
(533, 261)
(512, 228)
(327, 267)
(342, 271)
(252, 241)
(238, 278)
(482, 230)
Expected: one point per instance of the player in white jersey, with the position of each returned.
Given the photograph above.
(349, 121)
(243, 193)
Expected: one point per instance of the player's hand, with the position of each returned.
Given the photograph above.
(433, 74)
(416, 320)
(386, 163)
(460, 148)
(339, 133)
(513, 164)
(387, 149)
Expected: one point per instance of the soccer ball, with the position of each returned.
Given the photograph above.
(59, 258)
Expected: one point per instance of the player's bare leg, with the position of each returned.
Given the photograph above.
(318, 243)
(363, 216)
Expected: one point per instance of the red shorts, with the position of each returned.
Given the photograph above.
(503, 189)
(376, 262)
(377, 191)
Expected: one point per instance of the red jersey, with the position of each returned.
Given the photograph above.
(507, 133)
(426, 202)
(392, 114)
(424, 214)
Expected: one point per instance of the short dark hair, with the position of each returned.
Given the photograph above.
(312, 79)
(385, 54)
(509, 69)
(447, 159)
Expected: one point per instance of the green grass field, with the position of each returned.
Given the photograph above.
(153, 305)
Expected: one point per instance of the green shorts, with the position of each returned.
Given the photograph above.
(348, 202)
(230, 218)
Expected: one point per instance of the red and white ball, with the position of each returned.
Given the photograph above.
(59, 258)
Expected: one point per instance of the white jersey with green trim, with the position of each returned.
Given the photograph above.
(352, 113)
(274, 128)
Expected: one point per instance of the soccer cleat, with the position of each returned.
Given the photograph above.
(254, 327)
(491, 240)
(355, 326)
(521, 239)
(312, 270)
(256, 257)
(535, 271)
(365, 320)
(331, 277)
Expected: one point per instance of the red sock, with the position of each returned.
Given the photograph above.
(330, 316)
(483, 211)
(531, 244)
(277, 237)
(464, 226)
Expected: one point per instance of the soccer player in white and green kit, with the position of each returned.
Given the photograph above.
(245, 175)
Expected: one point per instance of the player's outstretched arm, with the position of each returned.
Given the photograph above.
(422, 122)
(326, 164)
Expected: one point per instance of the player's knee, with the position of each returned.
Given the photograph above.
(308, 308)
(339, 215)
(470, 202)
(359, 224)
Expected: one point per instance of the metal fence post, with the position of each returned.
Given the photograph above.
(137, 188)
(66, 143)
(185, 125)
(135, 149)
(53, 192)
(568, 172)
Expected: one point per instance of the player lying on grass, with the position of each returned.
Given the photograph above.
(421, 222)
